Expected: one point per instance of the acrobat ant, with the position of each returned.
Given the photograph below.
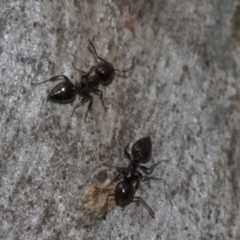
(66, 92)
(141, 153)
(125, 190)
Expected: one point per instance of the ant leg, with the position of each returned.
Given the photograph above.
(89, 107)
(104, 208)
(139, 199)
(143, 179)
(126, 153)
(111, 166)
(137, 183)
(79, 70)
(150, 170)
(119, 176)
(115, 179)
(96, 51)
(86, 98)
(126, 70)
(139, 177)
(52, 79)
(119, 70)
(97, 91)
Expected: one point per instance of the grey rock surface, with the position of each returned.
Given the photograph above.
(184, 91)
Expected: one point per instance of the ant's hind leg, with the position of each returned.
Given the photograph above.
(86, 98)
(97, 91)
(139, 199)
(55, 78)
(150, 170)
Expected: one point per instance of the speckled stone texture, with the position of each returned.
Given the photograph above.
(184, 91)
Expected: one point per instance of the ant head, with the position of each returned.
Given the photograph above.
(141, 150)
(124, 193)
(105, 72)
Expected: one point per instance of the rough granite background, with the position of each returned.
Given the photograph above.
(184, 91)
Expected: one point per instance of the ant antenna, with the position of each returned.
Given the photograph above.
(79, 70)
(52, 79)
(126, 70)
(96, 51)
(119, 70)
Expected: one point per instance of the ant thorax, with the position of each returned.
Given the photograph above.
(88, 82)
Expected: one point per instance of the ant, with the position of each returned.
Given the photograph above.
(125, 190)
(66, 92)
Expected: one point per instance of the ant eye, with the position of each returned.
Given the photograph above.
(105, 72)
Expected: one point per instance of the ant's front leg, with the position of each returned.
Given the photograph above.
(115, 179)
(121, 170)
(121, 173)
(55, 78)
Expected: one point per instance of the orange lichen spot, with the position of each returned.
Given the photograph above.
(95, 198)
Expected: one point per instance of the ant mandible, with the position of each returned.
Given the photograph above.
(66, 92)
(125, 190)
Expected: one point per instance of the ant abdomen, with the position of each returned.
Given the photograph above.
(141, 150)
(64, 92)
